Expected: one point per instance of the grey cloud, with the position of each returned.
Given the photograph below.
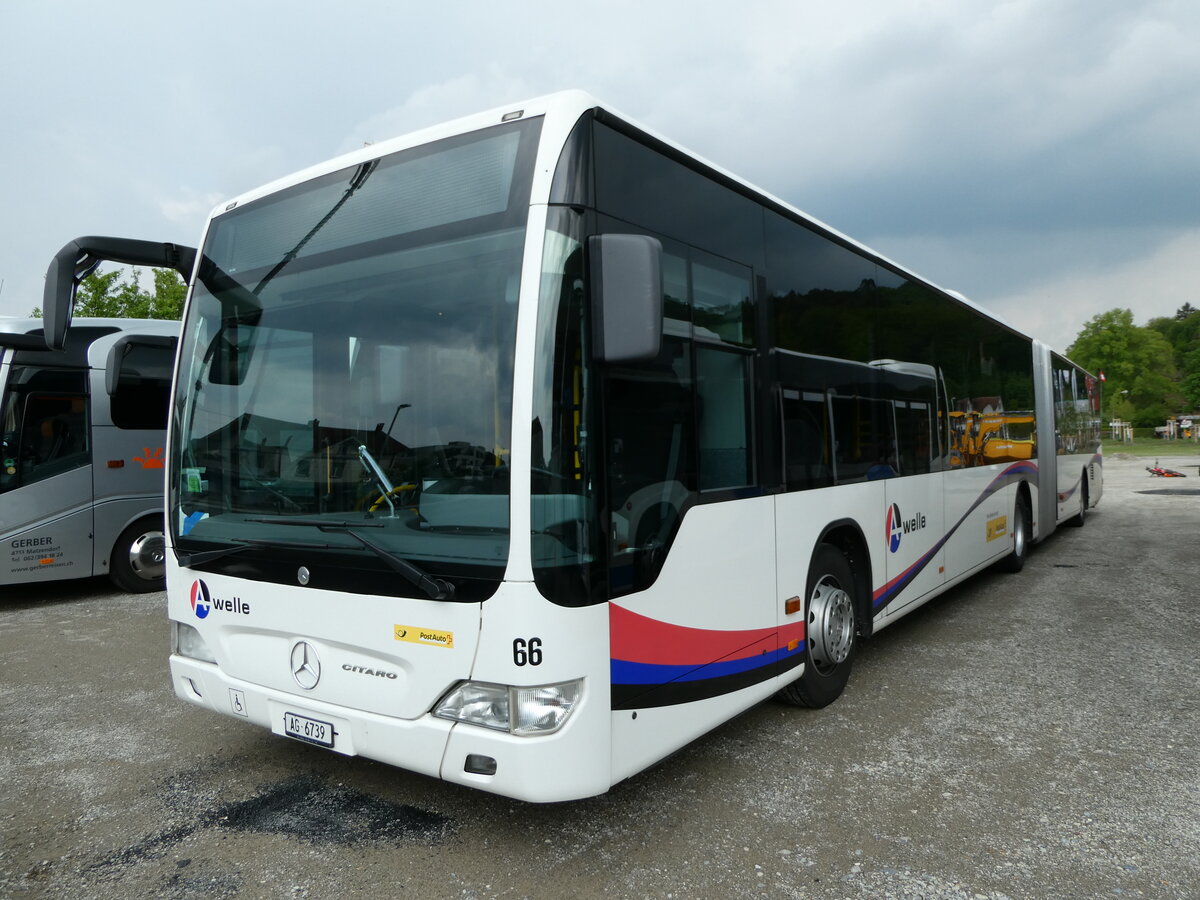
(995, 148)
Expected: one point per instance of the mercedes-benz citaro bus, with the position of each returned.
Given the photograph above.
(84, 451)
(525, 449)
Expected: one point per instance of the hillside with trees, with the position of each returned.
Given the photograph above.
(1152, 371)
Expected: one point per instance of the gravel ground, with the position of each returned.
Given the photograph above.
(1027, 736)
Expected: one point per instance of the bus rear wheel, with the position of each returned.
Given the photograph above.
(1080, 517)
(1022, 529)
(137, 564)
(830, 631)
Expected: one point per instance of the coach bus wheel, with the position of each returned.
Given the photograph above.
(1022, 528)
(137, 562)
(1080, 517)
(830, 628)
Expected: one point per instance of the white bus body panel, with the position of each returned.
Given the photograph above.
(1073, 471)
(251, 628)
(723, 563)
(642, 737)
(720, 578)
(909, 536)
(573, 762)
(377, 688)
(979, 507)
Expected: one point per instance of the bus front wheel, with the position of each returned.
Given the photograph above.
(830, 631)
(137, 563)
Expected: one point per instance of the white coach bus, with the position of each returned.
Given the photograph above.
(523, 450)
(84, 451)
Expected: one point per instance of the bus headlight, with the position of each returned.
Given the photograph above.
(188, 642)
(518, 710)
(542, 710)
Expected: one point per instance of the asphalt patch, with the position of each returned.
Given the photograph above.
(303, 807)
(307, 808)
(1175, 492)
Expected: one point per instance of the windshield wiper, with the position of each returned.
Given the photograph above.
(434, 588)
(361, 174)
(291, 545)
(322, 524)
(200, 557)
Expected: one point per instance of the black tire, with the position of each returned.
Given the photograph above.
(831, 628)
(1080, 518)
(137, 563)
(1022, 537)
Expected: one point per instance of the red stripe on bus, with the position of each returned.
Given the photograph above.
(638, 638)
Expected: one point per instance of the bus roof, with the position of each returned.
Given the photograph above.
(94, 338)
(32, 326)
(565, 108)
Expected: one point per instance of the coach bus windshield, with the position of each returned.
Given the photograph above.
(346, 381)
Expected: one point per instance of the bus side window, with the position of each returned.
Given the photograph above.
(722, 383)
(805, 440)
(651, 473)
(864, 431)
(915, 436)
(53, 436)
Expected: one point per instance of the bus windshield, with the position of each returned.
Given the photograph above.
(346, 380)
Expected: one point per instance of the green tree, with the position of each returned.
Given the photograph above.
(118, 294)
(1138, 363)
(1182, 331)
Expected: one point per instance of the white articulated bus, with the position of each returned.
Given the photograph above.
(523, 450)
(84, 452)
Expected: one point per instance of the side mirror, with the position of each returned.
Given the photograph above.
(627, 297)
(79, 258)
(122, 348)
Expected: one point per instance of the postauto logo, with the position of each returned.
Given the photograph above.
(201, 599)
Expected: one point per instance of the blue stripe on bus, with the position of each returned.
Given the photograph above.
(625, 672)
(703, 685)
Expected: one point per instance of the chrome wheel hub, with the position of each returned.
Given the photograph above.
(147, 556)
(830, 623)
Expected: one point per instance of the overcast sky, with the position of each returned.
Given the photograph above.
(1040, 156)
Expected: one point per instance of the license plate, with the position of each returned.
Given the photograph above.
(312, 731)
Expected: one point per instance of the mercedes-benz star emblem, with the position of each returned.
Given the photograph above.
(306, 665)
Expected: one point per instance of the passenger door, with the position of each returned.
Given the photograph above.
(46, 485)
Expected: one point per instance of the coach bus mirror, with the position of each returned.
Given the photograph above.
(123, 347)
(627, 297)
(80, 257)
(70, 266)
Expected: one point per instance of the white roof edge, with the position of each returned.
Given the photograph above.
(562, 103)
(21, 325)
